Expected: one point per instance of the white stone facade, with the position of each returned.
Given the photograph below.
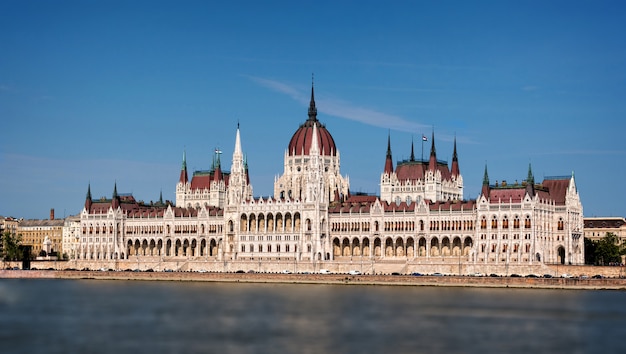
(312, 216)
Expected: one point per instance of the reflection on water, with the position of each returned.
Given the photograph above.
(60, 316)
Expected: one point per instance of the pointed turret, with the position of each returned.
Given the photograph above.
(412, 150)
(388, 159)
(183, 171)
(161, 197)
(485, 189)
(115, 200)
(530, 178)
(432, 162)
(245, 168)
(217, 166)
(88, 200)
(455, 161)
(530, 182)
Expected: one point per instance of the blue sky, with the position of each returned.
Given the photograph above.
(105, 92)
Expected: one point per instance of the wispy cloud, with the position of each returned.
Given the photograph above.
(7, 88)
(341, 108)
(530, 88)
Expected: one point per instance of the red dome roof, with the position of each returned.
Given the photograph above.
(303, 137)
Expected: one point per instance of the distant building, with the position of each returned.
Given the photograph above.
(419, 215)
(71, 236)
(7, 224)
(597, 227)
(34, 233)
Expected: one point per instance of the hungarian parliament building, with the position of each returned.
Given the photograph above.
(419, 215)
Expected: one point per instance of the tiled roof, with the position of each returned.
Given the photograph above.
(302, 138)
(203, 179)
(602, 223)
(557, 188)
(415, 170)
(41, 223)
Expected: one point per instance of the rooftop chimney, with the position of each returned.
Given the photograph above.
(52, 214)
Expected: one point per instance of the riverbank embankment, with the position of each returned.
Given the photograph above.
(338, 279)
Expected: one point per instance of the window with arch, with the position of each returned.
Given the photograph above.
(527, 222)
(483, 222)
(560, 224)
(505, 222)
(494, 222)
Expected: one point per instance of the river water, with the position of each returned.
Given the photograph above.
(97, 316)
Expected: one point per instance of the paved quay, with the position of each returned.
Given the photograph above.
(336, 279)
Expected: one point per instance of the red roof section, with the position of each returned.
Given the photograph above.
(202, 180)
(557, 188)
(415, 170)
(135, 209)
(303, 137)
(550, 189)
(515, 195)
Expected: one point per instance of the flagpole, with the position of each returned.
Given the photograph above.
(422, 147)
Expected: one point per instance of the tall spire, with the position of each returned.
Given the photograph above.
(312, 109)
(183, 171)
(315, 147)
(388, 159)
(432, 162)
(455, 161)
(237, 142)
(115, 190)
(412, 151)
(161, 197)
(89, 191)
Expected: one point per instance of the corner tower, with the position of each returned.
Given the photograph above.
(417, 179)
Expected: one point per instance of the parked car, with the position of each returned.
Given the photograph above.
(354, 272)
(286, 271)
(416, 274)
(325, 271)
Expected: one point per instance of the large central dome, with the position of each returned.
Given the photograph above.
(301, 140)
